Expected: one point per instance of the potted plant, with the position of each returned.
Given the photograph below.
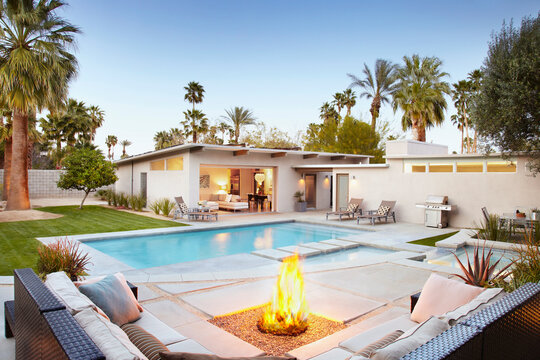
(300, 205)
(535, 214)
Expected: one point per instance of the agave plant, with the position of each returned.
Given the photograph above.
(62, 255)
(481, 272)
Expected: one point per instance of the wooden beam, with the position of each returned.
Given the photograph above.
(240, 152)
(311, 156)
(278, 155)
(338, 157)
(196, 149)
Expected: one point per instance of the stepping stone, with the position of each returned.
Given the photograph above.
(325, 248)
(302, 251)
(171, 313)
(146, 294)
(271, 254)
(341, 243)
(177, 288)
(334, 354)
(188, 346)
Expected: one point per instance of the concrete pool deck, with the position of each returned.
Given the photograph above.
(370, 294)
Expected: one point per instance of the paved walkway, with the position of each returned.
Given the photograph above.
(364, 292)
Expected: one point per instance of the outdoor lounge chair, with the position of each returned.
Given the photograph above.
(385, 210)
(352, 209)
(183, 209)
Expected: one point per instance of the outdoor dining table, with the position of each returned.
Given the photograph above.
(512, 221)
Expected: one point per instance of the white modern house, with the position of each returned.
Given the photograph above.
(413, 170)
(210, 172)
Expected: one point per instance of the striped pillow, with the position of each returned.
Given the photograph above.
(144, 341)
(368, 350)
(352, 207)
(383, 210)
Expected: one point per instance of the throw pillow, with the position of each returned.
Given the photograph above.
(228, 198)
(440, 295)
(383, 210)
(108, 337)
(370, 349)
(485, 298)
(190, 356)
(425, 332)
(352, 207)
(183, 208)
(147, 343)
(110, 296)
(122, 280)
(64, 289)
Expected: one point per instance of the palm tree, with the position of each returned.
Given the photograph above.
(125, 143)
(194, 93)
(176, 136)
(349, 100)
(195, 124)
(328, 112)
(35, 67)
(223, 128)
(162, 140)
(458, 121)
(461, 94)
(78, 123)
(5, 137)
(378, 87)
(420, 94)
(339, 102)
(97, 116)
(475, 77)
(111, 142)
(239, 117)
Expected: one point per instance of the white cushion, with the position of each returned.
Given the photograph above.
(422, 334)
(108, 337)
(440, 295)
(160, 330)
(475, 305)
(228, 198)
(64, 289)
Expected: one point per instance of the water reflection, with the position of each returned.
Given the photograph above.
(265, 241)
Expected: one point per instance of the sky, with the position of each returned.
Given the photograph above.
(281, 59)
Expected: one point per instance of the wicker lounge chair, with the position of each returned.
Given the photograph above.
(385, 210)
(352, 209)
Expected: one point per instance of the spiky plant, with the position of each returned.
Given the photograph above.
(481, 272)
(62, 255)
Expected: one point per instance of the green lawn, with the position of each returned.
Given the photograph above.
(430, 241)
(18, 239)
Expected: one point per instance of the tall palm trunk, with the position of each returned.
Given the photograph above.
(7, 168)
(461, 138)
(418, 129)
(467, 130)
(194, 136)
(18, 197)
(475, 142)
(374, 110)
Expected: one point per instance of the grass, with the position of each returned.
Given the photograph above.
(18, 244)
(430, 241)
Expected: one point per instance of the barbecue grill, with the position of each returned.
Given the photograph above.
(436, 211)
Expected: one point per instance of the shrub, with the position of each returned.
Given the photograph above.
(155, 206)
(103, 194)
(115, 199)
(123, 200)
(527, 267)
(137, 202)
(62, 255)
(492, 229)
(166, 206)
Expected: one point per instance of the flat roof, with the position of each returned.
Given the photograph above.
(340, 166)
(232, 148)
(443, 156)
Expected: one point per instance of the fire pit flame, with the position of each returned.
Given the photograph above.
(288, 312)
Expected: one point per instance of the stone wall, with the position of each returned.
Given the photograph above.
(42, 184)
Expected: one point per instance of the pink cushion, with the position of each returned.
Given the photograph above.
(440, 295)
(122, 280)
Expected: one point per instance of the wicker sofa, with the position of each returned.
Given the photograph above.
(44, 329)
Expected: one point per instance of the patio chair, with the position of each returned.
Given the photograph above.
(182, 209)
(385, 210)
(352, 209)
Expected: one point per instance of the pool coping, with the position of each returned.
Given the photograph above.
(405, 251)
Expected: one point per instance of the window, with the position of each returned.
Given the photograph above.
(157, 165)
(441, 168)
(175, 163)
(470, 167)
(418, 168)
(501, 166)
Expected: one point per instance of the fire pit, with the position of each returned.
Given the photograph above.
(283, 324)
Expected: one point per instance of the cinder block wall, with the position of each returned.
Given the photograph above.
(42, 184)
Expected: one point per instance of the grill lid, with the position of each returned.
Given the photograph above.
(437, 199)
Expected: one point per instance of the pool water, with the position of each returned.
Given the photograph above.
(449, 259)
(359, 253)
(157, 250)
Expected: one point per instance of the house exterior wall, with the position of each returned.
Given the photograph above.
(499, 192)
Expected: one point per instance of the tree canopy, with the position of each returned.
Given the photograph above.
(507, 109)
(86, 170)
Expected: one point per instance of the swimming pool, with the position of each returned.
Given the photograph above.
(156, 250)
(449, 260)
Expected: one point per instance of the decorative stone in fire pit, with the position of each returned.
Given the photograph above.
(285, 323)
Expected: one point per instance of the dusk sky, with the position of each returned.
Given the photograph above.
(281, 59)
